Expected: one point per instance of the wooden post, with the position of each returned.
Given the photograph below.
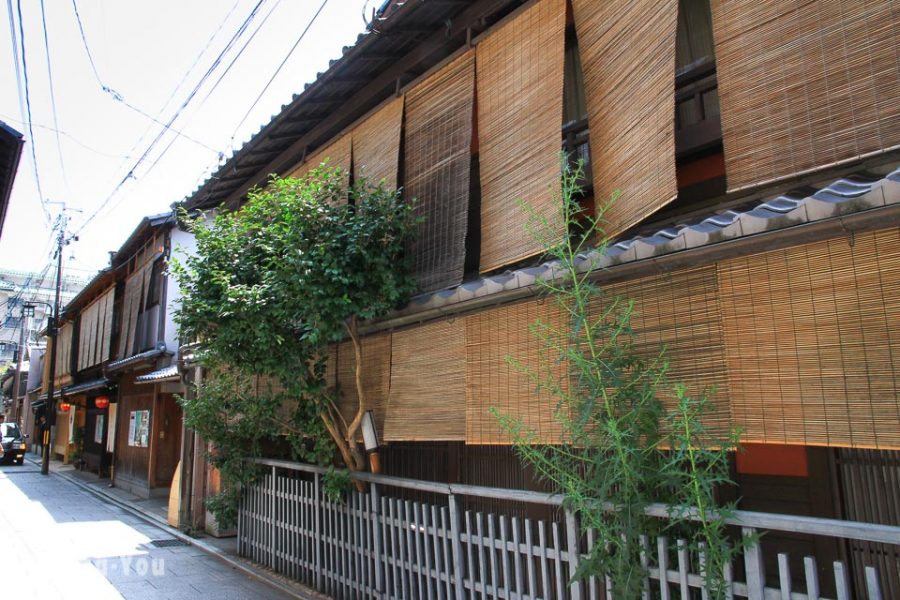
(456, 546)
(273, 528)
(317, 530)
(756, 578)
(376, 538)
(574, 552)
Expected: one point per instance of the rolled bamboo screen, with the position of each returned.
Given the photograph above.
(812, 342)
(437, 162)
(376, 377)
(804, 85)
(376, 145)
(628, 59)
(428, 391)
(491, 382)
(520, 93)
(679, 311)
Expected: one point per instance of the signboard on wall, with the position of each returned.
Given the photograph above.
(98, 429)
(111, 438)
(139, 428)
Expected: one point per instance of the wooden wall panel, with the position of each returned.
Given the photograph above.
(428, 394)
(804, 85)
(519, 72)
(813, 344)
(628, 58)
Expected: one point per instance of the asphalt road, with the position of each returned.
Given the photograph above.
(58, 542)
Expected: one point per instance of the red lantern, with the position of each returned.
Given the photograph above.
(64, 407)
(101, 402)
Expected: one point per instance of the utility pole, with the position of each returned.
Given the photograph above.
(52, 331)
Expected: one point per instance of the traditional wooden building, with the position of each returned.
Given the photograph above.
(115, 378)
(756, 147)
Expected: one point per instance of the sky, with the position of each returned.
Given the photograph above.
(152, 56)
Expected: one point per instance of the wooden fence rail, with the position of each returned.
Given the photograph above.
(377, 545)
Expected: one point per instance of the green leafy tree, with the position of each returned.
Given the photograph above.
(270, 287)
(622, 450)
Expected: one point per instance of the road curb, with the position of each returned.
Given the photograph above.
(155, 520)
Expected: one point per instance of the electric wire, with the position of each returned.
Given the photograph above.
(68, 135)
(216, 62)
(197, 87)
(62, 163)
(120, 98)
(34, 163)
(280, 66)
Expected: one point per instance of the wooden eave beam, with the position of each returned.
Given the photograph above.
(471, 17)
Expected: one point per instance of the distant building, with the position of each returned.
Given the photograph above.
(22, 287)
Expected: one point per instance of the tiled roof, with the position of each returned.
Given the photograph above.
(87, 386)
(170, 372)
(132, 360)
(379, 58)
(844, 196)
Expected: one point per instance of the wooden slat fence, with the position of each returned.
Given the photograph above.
(374, 545)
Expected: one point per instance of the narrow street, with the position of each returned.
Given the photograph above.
(60, 541)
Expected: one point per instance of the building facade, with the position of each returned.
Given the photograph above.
(755, 149)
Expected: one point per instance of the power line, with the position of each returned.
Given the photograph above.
(278, 70)
(239, 53)
(68, 135)
(194, 91)
(62, 164)
(120, 98)
(34, 164)
(216, 62)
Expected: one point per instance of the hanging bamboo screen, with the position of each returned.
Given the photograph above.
(803, 85)
(376, 377)
(109, 300)
(812, 342)
(376, 145)
(428, 393)
(628, 58)
(437, 143)
(337, 154)
(520, 93)
(492, 336)
(679, 311)
(131, 308)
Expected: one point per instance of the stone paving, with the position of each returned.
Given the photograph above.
(62, 542)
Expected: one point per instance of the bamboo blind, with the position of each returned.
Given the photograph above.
(109, 301)
(492, 336)
(519, 72)
(803, 85)
(427, 393)
(95, 331)
(437, 164)
(135, 290)
(376, 377)
(679, 311)
(628, 58)
(64, 350)
(336, 154)
(813, 344)
(376, 145)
